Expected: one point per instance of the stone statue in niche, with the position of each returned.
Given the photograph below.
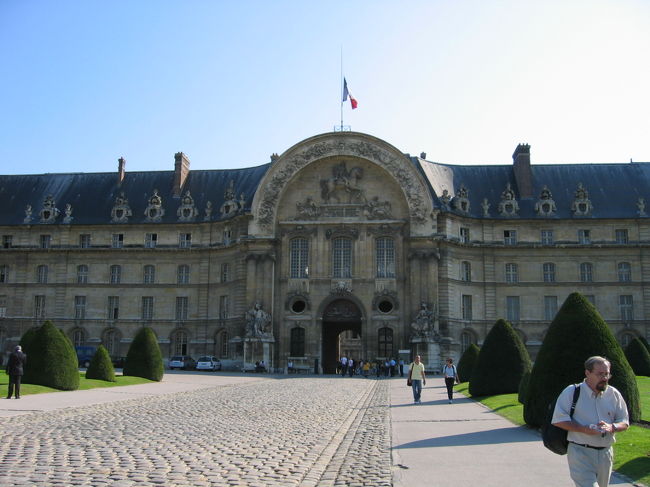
(68, 213)
(485, 205)
(545, 205)
(258, 322)
(445, 198)
(424, 324)
(187, 212)
(242, 202)
(640, 204)
(230, 205)
(28, 214)
(121, 210)
(461, 201)
(154, 211)
(344, 184)
(377, 210)
(508, 205)
(581, 204)
(208, 211)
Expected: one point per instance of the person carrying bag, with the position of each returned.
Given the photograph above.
(451, 376)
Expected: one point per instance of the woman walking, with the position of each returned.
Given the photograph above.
(451, 376)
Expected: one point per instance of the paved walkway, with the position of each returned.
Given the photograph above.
(234, 430)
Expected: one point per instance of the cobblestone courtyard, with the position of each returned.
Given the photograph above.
(306, 431)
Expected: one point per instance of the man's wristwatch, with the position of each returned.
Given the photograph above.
(614, 428)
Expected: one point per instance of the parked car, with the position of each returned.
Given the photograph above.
(181, 362)
(85, 355)
(208, 362)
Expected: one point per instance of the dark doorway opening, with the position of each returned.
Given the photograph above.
(339, 316)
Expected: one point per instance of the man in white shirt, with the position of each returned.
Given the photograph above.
(344, 365)
(599, 413)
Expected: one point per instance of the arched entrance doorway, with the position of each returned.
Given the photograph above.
(340, 315)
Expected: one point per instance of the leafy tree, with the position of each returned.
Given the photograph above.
(51, 361)
(501, 363)
(638, 357)
(467, 362)
(101, 367)
(144, 358)
(576, 333)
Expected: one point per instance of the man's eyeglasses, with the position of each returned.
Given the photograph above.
(604, 375)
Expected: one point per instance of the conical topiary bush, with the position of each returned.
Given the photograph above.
(638, 357)
(52, 361)
(144, 358)
(501, 363)
(26, 343)
(576, 333)
(467, 362)
(645, 343)
(101, 367)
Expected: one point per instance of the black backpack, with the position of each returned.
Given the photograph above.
(554, 438)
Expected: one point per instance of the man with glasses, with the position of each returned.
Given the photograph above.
(599, 413)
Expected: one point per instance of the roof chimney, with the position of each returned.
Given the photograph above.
(121, 170)
(523, 173)
(181, 170)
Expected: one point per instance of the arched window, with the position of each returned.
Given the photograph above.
(78, 337)
(183, 274)
(385, 251)
(624, 272)
(297, 342)
(465, 271)
(41, 274)
(179, 343)
(82, 274)
(148, 274)
(385, 342)
(586, 272)
(466, 339)
(111, 342)
(299, 258)
(342, 257)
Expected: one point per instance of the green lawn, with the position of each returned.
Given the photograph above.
(632, 447)
(26, 389)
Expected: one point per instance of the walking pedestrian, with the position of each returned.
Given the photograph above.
(600, 412)
(344, 365)
(451, 376)
(351, 367)
(401, 367)
(418, 378)
(15, 365)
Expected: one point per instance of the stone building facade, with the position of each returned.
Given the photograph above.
(342, 244)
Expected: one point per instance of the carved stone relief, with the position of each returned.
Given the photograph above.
(154, 211)
(383, 295)
(49, 212)
(341, 232)
(545, 205)
(445, 199)
(208, 211)
(581, 203)
(28, 214)
(461, 200)
(640, 204)
(485, 205)
(508, 205)
(121, 210)
(231, 206)
(343, 186)
(68, 214)
(187, 212)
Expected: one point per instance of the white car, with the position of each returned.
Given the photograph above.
(208, 363)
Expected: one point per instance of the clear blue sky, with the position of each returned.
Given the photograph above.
(229, 82)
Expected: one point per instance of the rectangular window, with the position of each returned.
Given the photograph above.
(7, 241)
(84, 241)
(82, 274)
(510, 237)
(626, 308)
(512, 308)
(183, 276)
(79, 307)
(46, 241)
(464, 234)
(512, 273)
(297, 342)
(467, 307)
(465, 271)
(584, 236)
(148, 274)
(150, 240)
(299, 258)
(547, 237)
(181, 308)
(113, 307)
(223, 307)
(41, 274)
(624, 272)
(3, 306)
(342, 257)
(225, 272)
(116, 274)
(549, 272)
(117, 240)
(385, 339)
(227, 236)
(185, 240)
(621, 236)
(4, 274)
(550, 307)
(586, 272)
(39, 306)
(147, 308)
(385, 249)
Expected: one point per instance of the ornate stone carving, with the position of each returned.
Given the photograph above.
(28, 214)
(208, 211)
(385, 294)
(445, 199)
(154, 211)
(384, 229)
(425, 323)
(341, 288)
(68, 214)
(413, 190)
(49, 212)
(230, 205)
(258, 322)
(377, 210)
(299, 230)
(121, 210)
(293, 296)
(581, 203)
(422, 254)
(545, 205)
(640, 204)
(187, 212)
(344, 184)
(461, 201)
(342, 232)
(308, 210)
(486, 207)
(508, 205)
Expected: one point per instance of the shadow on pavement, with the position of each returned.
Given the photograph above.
(492, 437)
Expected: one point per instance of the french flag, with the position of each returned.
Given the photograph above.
(346, 94)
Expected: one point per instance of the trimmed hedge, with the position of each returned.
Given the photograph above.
(576, 333)
(101, 367)
(523, 388)
(501, 363)
(467, 362)
(144, 358)
(26, 342)
(51, 359)
(638, 357)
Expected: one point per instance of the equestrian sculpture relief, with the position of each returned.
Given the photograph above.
(343, 183)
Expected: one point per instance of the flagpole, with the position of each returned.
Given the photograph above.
(341, 91)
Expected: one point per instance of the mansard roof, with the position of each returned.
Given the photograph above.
(613, 189)
(93, 195)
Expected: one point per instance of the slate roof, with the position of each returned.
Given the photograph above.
(92, 195)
